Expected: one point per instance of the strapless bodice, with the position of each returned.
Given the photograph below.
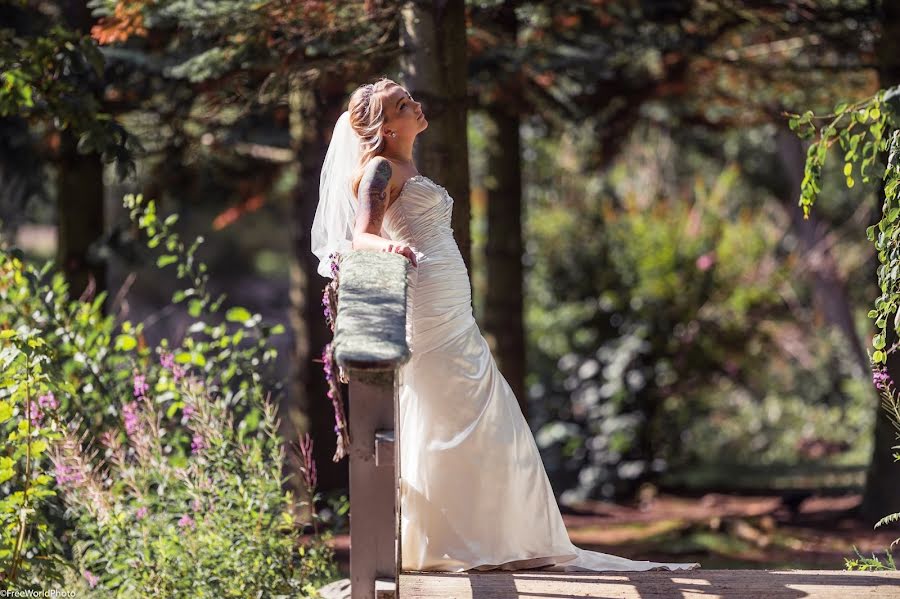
(440, 295)
(421, 215)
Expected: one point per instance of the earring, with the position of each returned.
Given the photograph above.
(393, 134)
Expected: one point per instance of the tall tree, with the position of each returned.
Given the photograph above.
(503, 302)
(435, 71)
(79, 191)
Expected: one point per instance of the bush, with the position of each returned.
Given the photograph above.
(219, 525)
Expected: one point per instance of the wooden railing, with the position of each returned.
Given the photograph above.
(370, 345)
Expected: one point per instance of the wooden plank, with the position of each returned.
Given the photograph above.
(695, 584)
(385, 588)
(371, 488)
(395, 481)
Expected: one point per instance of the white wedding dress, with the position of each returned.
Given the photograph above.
(474, 492)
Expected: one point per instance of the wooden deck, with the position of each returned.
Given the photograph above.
(696, 584)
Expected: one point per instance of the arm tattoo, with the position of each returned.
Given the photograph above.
(373, 195)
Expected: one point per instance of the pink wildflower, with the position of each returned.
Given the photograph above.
(67, 475)
(167, 360)
(91, 579)
(881, 379)
(129, 412)
(705, 261)
(198, 443)
(48, 401)
(36, 415)
(185, 521)
(140, 385)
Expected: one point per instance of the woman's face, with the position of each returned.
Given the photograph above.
(405, 116)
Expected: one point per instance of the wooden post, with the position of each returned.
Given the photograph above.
(370, 344)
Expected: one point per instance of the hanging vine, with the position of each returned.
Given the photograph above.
(330, 306)
(866, 131)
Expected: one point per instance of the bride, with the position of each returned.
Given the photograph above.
(473, 490)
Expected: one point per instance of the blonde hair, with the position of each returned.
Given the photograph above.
(367, 115)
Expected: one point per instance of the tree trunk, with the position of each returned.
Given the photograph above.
(313, 115)
(829, 287)
(79, 196)
(434, 67)
(503, 306)
(883, 476)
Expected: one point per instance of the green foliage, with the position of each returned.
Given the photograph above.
(654, 331)
(233, 350)
(95, 354)
(861, 130)
(52, 74)
(54, 345)
(864, 130)
(28, 425)
(216, 524)
(663, 318)
(251, 41)
(863, 564)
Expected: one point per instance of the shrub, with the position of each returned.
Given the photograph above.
(219, 525)
(214, 520)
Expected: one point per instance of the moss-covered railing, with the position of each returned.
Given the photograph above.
(370, 345)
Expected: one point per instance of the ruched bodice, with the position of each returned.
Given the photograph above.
(440, 294)
(473, 490)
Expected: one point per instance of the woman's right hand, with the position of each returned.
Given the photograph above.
(403, 250)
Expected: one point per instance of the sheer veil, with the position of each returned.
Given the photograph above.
(332, 228)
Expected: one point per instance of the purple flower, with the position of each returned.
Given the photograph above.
(48, 401)
(334, 394)
(188, 410)
(141, 513)
(327, 305)
(198, 443)
(167, 360)
(186, 521)
(335, 259)
(66, 475)
(140, 385)
(36, 415)
(129, 412)
(881, 379)
(195, 505)
(91, 579)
